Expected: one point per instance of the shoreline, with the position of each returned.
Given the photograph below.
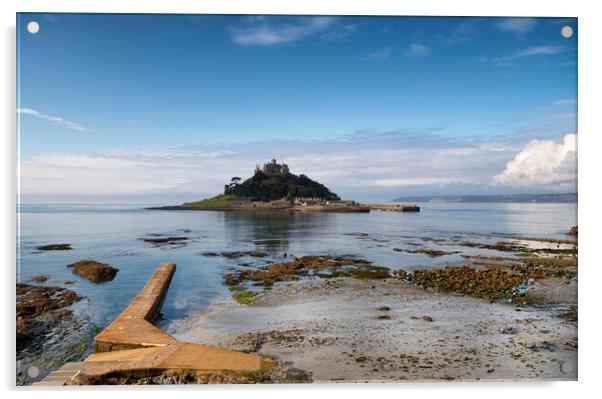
(323, 209)
(361, 208)
(350, 330)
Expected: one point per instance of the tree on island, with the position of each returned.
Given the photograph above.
(235, 181)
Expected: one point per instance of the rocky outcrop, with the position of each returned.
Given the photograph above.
(55, 247)
(321, 266)
(165, 241)
(39, 310)
(94, 271)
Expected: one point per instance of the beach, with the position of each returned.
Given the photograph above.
(338, 331)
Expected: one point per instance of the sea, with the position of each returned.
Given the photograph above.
(114, 233)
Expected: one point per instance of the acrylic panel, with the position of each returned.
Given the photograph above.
(312, 199)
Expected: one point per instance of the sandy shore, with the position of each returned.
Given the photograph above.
(348, 330)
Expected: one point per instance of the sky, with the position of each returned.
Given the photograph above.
(162, 108)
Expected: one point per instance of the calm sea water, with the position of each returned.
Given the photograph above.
(112, 234)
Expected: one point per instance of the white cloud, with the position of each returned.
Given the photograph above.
(543, 163)
(260, 32)
(379, 55)
(518, 26)
(27, 111)
(539, 50)
(81, 161)
(508, 60)
(56, 120)
(418, 181)
(362, 165)
(565, 102)
(564, 115)
(340, 34)
(418, 50)
(366, 163)
(466, 30)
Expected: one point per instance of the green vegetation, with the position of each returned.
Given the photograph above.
(245, 297)
(237, 288)
(76, 347)
(219, 201)
(263, 187)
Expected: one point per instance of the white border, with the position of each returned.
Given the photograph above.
(589, 183)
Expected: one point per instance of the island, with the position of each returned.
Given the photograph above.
(274, 188)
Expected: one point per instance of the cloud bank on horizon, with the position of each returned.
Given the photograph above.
(373, 107)
(363, 166)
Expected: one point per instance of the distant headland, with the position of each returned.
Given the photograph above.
(274, 188)
(519, 198)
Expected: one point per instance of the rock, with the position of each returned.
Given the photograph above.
(509, 330)
(94, 271)
(295, 376)
(573, 231)
(240, 254)
(543, 345)
(39, 310)
(163, 241)
(39, 279)
(432, 253)
(425, 318)
(55, 247)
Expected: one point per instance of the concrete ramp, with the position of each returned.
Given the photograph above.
(133, 328)
(132, 344)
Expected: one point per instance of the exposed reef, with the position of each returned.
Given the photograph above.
(321, 266)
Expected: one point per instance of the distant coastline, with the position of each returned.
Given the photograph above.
(519, 198)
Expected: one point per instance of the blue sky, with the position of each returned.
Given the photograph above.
(374, 107)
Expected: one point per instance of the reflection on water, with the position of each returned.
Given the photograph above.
(111, 234)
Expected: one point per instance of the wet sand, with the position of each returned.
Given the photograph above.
(340, 330)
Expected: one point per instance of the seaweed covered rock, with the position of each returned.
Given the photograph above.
(38, 310)
(467, 280)
(321, 266)
(94, 271)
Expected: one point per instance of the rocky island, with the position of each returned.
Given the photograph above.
(274, 188)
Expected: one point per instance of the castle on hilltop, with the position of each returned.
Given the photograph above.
(272, 168)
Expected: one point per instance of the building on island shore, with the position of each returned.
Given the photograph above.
(309, 201)
(248, 204)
